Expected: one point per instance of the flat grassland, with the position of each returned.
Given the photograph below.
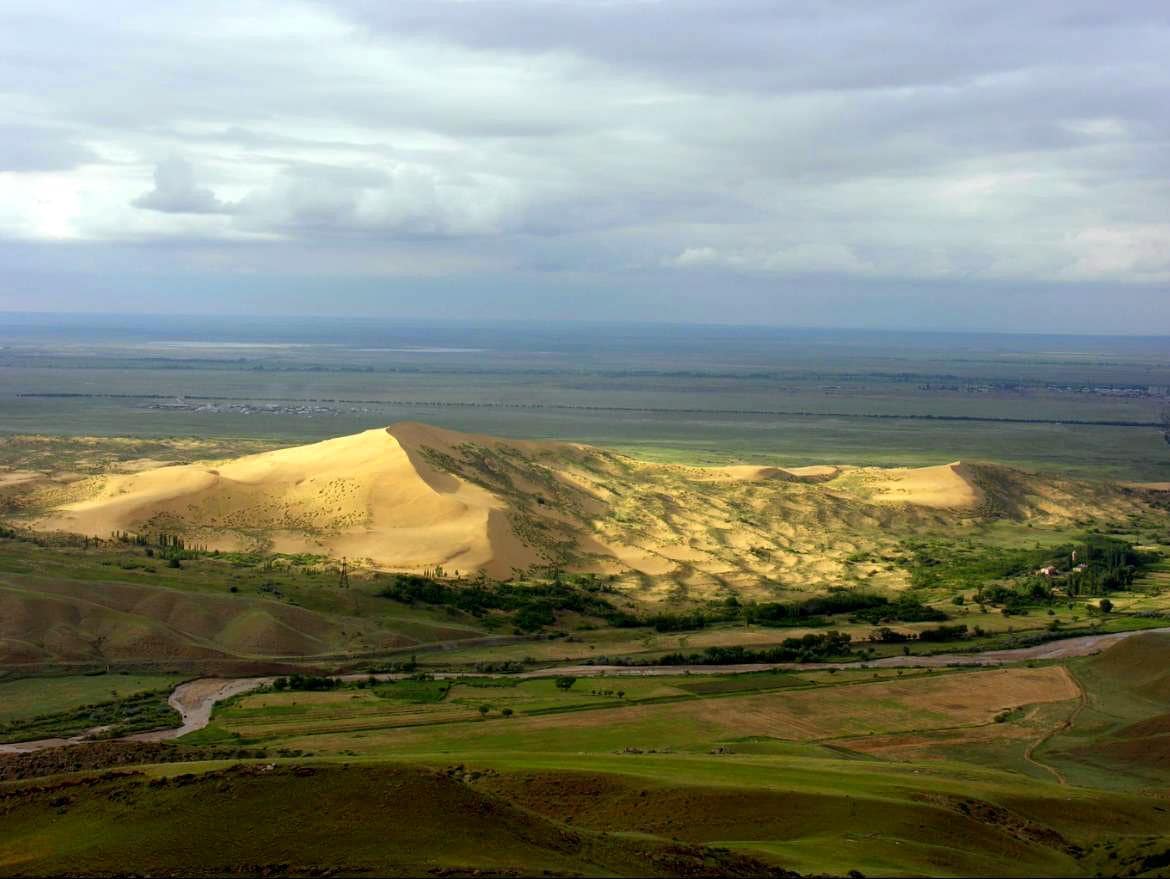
(652, 713)
(715, 395)
(68, 705)
(22, 698)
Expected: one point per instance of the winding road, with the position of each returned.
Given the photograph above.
(195, 700)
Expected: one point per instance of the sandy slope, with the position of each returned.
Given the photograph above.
(411, 496)
(363, 496)
(947, 486)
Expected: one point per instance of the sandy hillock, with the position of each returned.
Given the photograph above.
(411, 496)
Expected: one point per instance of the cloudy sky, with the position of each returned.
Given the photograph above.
(989, 165)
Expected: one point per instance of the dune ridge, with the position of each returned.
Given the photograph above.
(412, 496)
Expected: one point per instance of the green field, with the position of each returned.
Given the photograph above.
(23, 698)
(47, 707)
(945, 772)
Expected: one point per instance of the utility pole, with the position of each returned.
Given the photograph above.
(343, 580)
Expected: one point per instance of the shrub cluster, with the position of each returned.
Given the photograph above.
(306, 682)
(812, 647)
(532, 606)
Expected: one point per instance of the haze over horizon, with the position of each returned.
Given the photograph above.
(968, 166)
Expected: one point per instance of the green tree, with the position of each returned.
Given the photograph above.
(1106, 605)
(565, 683)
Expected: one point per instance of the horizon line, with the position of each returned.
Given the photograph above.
(554, 322)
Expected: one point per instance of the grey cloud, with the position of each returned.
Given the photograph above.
(817, 44)
(38, 148)
(403, 201)
(175, 192)
(693, 142)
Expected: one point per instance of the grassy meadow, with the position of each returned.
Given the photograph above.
(47, 707)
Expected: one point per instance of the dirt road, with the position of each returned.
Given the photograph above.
(1063, 649)
(195, 700)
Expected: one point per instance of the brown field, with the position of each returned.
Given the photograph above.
(945, 700)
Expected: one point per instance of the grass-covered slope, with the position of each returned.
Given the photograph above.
(1120, 735)
(66, 603)
(302, 820)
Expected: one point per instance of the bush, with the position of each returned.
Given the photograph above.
(886, 635)
(944, 633)
(533, 605)
(905, 609)
(678, 623)
(836, 601)
(534, 617)
(312, 683)
(808, 648)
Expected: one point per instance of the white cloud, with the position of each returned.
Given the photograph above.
(175, 192)
(795, 259)
(1114, 252)
(696, 256)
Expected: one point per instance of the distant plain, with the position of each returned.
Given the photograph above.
(704, 395)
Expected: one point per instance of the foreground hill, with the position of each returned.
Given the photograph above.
(410, 497)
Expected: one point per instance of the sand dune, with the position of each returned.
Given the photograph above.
(751, 472)
(363, 496)
(411, 496)
(17, 477)
(946, 486)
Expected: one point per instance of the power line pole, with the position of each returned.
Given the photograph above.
(343, 580)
